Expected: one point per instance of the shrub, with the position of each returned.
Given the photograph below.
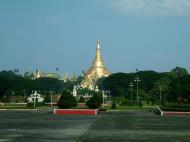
(81, 100)
(66, 100)
(95, 101)
(113, 105)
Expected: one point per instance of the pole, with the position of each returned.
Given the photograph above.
(131, 87)
(160, 93)
(51, 99)
(34, 100)
(131, 93)
(137, 91)
(137, 80)
(103, 98)
(12, 96)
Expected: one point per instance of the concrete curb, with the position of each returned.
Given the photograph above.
(161, 112)
(171, 113)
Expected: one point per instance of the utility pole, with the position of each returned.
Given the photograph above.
(160, 93)
(12, 95)
(131, 85)
(103, 98)
(137, 80)
(51, 100)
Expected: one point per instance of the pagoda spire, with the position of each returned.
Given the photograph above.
(96, 70)
(98, 44)
(98, 60)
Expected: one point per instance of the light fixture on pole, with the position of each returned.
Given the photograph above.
(131, 87)
(160, 93)
(137, 80)
(103, 98)
(51, 99)
(35, 93)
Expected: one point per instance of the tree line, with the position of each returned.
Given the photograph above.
(173, 86)
(14, 84)
(154, 87)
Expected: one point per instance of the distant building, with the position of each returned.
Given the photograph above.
(74, 77)
(65, 77)
(39, 74)
(96, 71)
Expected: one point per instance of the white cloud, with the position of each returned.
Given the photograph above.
(152, 7)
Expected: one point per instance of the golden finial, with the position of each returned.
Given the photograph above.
(98, 44)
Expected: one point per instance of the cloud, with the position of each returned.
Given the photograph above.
(152, 7)
(56, 19)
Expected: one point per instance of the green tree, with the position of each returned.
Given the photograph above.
(178, 72)
(81, 100)
(95, 101)
(180, 89)
(66, 100)
(47, 98)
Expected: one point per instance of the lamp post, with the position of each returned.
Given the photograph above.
(131, 87)
(137, 80)
(12, 93)
(51, 100)
(35, 98)
(160, 93)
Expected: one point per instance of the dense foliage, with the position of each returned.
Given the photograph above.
(19, 86)
(66, 100)
(95, 101)
(153, 86)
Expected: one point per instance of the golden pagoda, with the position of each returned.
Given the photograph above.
(97, 70)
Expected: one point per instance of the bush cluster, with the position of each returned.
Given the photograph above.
(66, 100)
(95, 101)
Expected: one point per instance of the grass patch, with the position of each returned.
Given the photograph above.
(132, 108)
(13, 106)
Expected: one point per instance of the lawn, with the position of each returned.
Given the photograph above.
(142, 108)
(13, 106)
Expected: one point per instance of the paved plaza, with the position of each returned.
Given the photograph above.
(130, 126)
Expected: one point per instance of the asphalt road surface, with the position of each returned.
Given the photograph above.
(126, 126)
(42, 126)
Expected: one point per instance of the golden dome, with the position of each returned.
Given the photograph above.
(97, 70)
(98, 67)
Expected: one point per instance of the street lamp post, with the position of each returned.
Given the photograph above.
(137, 80)
(12, 93)
(160, 93)
(103, 98)
(35, 99)
(51, 100)
(131, 87)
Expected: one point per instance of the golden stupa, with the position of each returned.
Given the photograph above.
(97, 70)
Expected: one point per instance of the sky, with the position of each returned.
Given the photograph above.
(133, 34)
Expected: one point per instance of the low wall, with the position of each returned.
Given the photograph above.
(170, 113)
(75, 111)
(175, 113)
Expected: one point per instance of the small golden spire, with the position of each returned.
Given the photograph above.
(98, 44)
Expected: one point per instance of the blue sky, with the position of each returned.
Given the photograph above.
(143, 34)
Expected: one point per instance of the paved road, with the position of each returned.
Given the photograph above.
(126, 126)
(42, 127)
(139, 126)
